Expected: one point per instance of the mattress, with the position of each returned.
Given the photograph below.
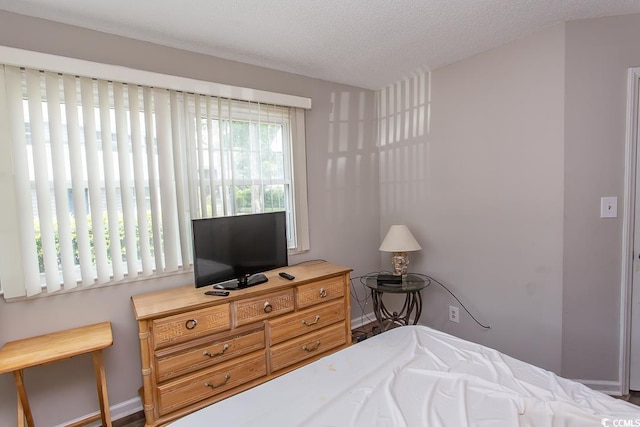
(417, 376)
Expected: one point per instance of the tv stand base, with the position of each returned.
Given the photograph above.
(254, 279)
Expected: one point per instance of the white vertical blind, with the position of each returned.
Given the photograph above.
(78, 169)
(167, 182)
(139, 174)
(126, 193)
(152, 173)
(201, 164)
(179, 135)
(41, 175)
(223, 165)
(11, 250)
(300, 214)
(107, 175)
(110, 186)
(93, 176)
(211, 134)
(29, 254)
(59, 163)
(191, 156)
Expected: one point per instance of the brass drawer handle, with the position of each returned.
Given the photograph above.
(310, 349)
(226, 378)
(323, 293)
(268, 308)
(221, 352)
(304, 322)
(191, 324)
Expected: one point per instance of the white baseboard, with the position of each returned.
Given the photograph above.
(126, 408)
(119, 410)
(365, 319)
(613, 388)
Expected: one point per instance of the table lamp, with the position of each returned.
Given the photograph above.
(399, 241)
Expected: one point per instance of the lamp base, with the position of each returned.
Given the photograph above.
(400, 262)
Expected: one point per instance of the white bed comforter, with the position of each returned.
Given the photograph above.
(417, 376)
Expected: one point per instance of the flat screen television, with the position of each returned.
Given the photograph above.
(234, 250)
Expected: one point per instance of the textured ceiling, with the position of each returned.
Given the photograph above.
(366, 43)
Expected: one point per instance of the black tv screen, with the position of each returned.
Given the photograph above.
(236, 247)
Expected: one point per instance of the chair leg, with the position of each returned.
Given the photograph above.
(24, 410)
(101, 383)
(20, 412)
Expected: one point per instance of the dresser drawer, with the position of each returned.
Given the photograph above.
(321, 291)
(171, 363)
(205, 384)
(309, 320)
(307, 346)
(187, 326)
(251, 310)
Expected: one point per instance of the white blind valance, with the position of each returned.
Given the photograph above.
(78, 67)
(106, 175)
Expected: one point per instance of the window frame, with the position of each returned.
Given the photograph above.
(78, 67)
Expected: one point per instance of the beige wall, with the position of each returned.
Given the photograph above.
(342, 191)
(503, 192)
(599, 52)
(497, 164)
(488, 201)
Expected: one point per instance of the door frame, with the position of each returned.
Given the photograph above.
(628, 221)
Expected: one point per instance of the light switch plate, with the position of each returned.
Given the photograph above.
(608, 207)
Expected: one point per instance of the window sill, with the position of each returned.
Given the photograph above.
(186, 274)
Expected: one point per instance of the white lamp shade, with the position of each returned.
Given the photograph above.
(399, 239)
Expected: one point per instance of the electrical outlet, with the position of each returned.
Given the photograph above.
(454, 314)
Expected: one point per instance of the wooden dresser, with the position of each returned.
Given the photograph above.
(198, 349)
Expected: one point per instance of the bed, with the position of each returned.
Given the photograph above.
(417, 376)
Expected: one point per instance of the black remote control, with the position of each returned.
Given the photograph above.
(287, 276)
(218, 293)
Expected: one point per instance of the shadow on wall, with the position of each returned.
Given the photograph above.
(351, 172)
(403, 113)
(404, 141)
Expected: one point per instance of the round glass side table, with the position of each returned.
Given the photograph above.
(410, 285)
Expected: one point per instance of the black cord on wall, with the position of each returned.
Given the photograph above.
(455, 297)
(362, 303)
(426, 277)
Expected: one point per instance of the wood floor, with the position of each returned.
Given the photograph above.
(133, 420)
(634, 397)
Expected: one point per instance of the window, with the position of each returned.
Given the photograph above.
(107, 175)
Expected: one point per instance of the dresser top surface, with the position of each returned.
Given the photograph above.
(183, 298)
